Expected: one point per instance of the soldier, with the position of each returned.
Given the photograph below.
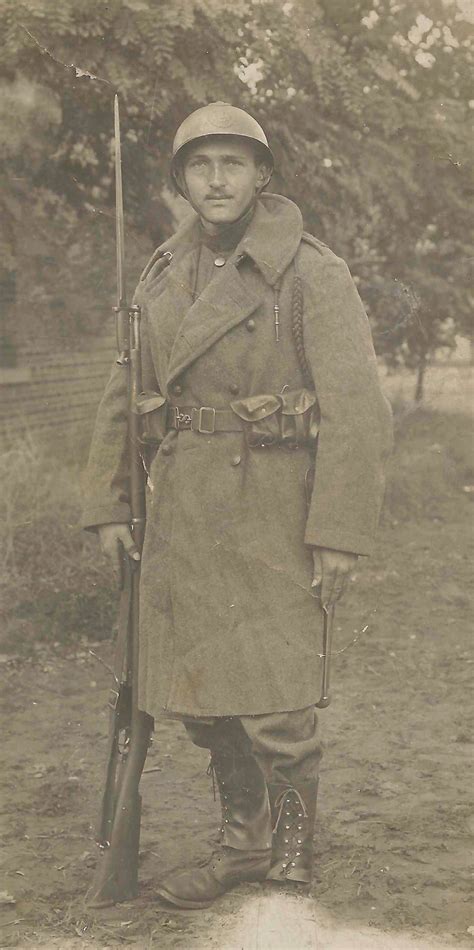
(264, 489)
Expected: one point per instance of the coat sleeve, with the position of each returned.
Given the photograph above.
(105, 482)
(355, 435)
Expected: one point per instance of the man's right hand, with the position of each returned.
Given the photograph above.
(114, 539)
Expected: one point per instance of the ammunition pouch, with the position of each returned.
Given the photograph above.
(290, 418)
(151, 407)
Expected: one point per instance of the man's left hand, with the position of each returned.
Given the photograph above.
(332, 571)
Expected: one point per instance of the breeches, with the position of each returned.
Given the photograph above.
(285, 744)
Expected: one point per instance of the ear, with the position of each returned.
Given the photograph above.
(180, 182)
(264, 173)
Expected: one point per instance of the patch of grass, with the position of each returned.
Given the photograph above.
(55, 584)
(433, 461)
(67, 615)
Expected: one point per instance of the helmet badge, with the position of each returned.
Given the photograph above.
(218, 119)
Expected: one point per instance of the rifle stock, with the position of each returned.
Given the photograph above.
(116, 877)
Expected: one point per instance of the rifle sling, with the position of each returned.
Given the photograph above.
(119, 696)
(120, 713)
(123, 621)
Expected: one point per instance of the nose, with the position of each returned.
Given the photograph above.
(216, 175)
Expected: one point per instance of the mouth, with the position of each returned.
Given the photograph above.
(218, 198)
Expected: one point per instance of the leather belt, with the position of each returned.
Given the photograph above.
(203, 419)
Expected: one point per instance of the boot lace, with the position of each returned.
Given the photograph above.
(292, 810)
(225, 788)
(211, 772)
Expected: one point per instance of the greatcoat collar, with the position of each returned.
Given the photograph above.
(271, 240)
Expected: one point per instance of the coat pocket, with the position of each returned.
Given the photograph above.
(152, 409)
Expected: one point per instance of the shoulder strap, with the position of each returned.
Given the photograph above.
(314, 242)
(158, 261)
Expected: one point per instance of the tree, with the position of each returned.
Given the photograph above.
(365, 103)
(382, 110)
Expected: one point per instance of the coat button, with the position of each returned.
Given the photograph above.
(177, 389)
(234, 389)
(236, 460)
(219, 261)
(250, 325)
(167, 449)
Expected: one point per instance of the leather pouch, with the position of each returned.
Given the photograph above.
(288, 418)
(261, 414)
(151, 407)
(299, 421)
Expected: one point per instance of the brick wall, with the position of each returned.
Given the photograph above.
(54, 389)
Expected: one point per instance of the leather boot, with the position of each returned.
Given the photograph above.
(245, 836)
(293, 816)
(246, 817)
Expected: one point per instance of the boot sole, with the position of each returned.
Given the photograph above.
(255, 877)
(181, 902)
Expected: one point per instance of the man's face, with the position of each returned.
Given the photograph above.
(222, 176)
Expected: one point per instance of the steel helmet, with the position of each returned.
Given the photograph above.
(218, 118)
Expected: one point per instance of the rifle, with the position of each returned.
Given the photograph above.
(116, 876)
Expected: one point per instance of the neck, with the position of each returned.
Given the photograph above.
(213, 229)
(226, 236)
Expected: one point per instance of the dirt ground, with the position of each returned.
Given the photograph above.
(395, 813)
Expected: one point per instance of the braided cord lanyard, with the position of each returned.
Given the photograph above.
(297, 312)
(297, 308)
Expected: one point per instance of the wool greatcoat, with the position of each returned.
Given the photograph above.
(228, 622)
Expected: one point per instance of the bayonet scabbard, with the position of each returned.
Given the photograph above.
(328, 624)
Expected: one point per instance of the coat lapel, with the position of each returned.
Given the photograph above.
(224, 303)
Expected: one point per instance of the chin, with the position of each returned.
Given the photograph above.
(221, 216)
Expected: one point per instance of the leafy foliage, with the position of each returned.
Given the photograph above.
(366, 104)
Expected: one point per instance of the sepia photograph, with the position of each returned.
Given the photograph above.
(236, 474)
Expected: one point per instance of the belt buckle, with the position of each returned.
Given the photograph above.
(182, 420)
(211, 420)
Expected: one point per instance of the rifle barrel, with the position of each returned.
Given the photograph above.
(119, 223)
